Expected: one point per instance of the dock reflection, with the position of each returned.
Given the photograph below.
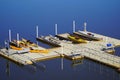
(28, 68)
(62, 63)
(8, 68)
(97, 68)
(76, 62)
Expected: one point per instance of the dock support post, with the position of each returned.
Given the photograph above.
(55, 29)
(73, 26)
(17, 39)
(9, 35)
(85, 24)
(62, 59)
(36, 31)
(62, 49)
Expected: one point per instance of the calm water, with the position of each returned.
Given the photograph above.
(84, 70)
(102, 16)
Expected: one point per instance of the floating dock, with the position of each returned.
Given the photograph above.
(91, 50)
(87, 35)
(27, 58)
(49, 40)
(73, 56)
(63, 36)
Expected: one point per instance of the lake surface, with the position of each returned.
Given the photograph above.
(102, 17)
(57, 69)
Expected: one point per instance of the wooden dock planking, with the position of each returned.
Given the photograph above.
(94, 50)
(91, 50)
(28, 58)
(100, 56)
(14, 59)
(51, 44)
(63, 36)
(71, 57)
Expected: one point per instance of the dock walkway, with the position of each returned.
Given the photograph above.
(100, 56)
(91, 50)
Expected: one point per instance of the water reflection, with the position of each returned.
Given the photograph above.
(8, 68)
(29, 68)
(84, 66)
(40, 66)
(97, 68)
(34, 67)
(76, 62)
(62, 65)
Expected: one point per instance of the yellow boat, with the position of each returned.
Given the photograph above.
(77, 40)
(38, 51)
(15, 48)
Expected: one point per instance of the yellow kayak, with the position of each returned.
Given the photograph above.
(78, 40)
(38, 51)
(15, 48)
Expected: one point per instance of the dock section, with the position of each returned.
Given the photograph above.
(63, 36)
(98, 55)
(53, 41)
(91, 50)
(27, 57)
(87, 35)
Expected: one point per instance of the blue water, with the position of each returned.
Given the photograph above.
(86, 70)
(102, 16)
